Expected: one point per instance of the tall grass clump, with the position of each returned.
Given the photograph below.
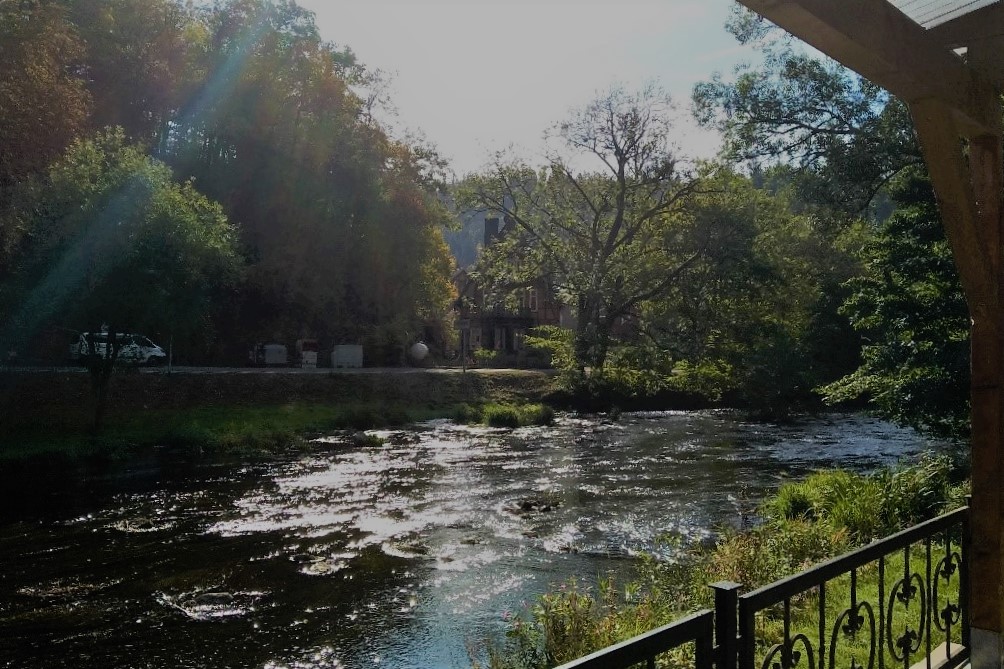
(505, 415)
(500, 415)
(804, 523)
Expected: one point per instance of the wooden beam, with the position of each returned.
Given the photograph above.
(973, 248)
(986, 56)
(880, 42)
(970, 197)
(983, 23)
(986, 163)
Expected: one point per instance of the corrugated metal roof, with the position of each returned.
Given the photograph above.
(930, 13)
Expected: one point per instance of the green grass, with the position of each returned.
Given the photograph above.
(504, 415)
(803, 524)
(237, 430)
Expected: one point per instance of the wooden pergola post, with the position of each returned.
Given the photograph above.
(969, 197)
(957, 111)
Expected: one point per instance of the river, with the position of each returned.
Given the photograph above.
(402, 555)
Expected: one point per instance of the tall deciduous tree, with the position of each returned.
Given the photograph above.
(911, 311)
(845, 140)
(750, 320)
(847, 136)
(340, 220)
(43, 104)
(118, 242)
(137, 55)
(607, 240)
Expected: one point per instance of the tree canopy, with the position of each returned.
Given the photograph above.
(338, 223)
(845, 136)
(605, 240)
(910, 309)
(848, 147)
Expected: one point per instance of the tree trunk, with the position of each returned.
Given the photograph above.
(100, 368)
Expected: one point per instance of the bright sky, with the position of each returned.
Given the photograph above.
(479, 75)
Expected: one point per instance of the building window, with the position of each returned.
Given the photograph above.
(533, 299)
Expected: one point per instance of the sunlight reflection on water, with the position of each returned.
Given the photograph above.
(406, 552)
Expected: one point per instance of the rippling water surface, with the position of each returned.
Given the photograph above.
(402, 555)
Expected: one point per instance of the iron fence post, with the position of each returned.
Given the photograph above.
(726, 612)
(965, 552)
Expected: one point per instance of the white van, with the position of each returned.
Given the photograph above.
(134, 349)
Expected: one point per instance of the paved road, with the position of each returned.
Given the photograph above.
(281, 370)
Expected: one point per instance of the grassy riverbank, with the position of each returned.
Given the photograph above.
(47, 417)
(803, 524)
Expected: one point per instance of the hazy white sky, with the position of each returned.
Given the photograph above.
(477, 75)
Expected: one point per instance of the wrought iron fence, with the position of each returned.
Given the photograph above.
(645, 648)
(896, 612)
(905, 594)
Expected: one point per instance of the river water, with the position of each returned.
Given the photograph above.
(402, 555)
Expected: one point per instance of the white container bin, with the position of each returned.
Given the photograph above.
(347, 355)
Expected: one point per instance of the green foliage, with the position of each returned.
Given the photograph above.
(803, 524)
(116, 240)
(43, 104)
(870, 506)
(909, 306)
(466, 414)
(840, 498)
(604, 242)
(496, 415)
(635, 371)
(846, 136)
(485, 356)
(846, 146)
(558, 343)
(772, 551)
(708, 378)
(754, 324)
(341, 224)
(504, 415)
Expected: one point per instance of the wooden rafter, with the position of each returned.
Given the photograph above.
(972, 244)
(984, 23)
(880, 42)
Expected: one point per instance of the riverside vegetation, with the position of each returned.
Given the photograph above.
(804, 523)
(245, 431)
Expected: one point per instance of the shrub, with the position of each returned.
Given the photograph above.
(793, 500)
(501, 415)
(508, 415)
(536, 414)
(771, 551)
(918, 492)
(466, 414)
(484, 357)
(844, 500)
(804, 523)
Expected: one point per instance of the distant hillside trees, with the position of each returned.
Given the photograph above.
(339, 224)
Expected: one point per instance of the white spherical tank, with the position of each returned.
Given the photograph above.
(418, 351)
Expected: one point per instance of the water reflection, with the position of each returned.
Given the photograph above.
(395, 556)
